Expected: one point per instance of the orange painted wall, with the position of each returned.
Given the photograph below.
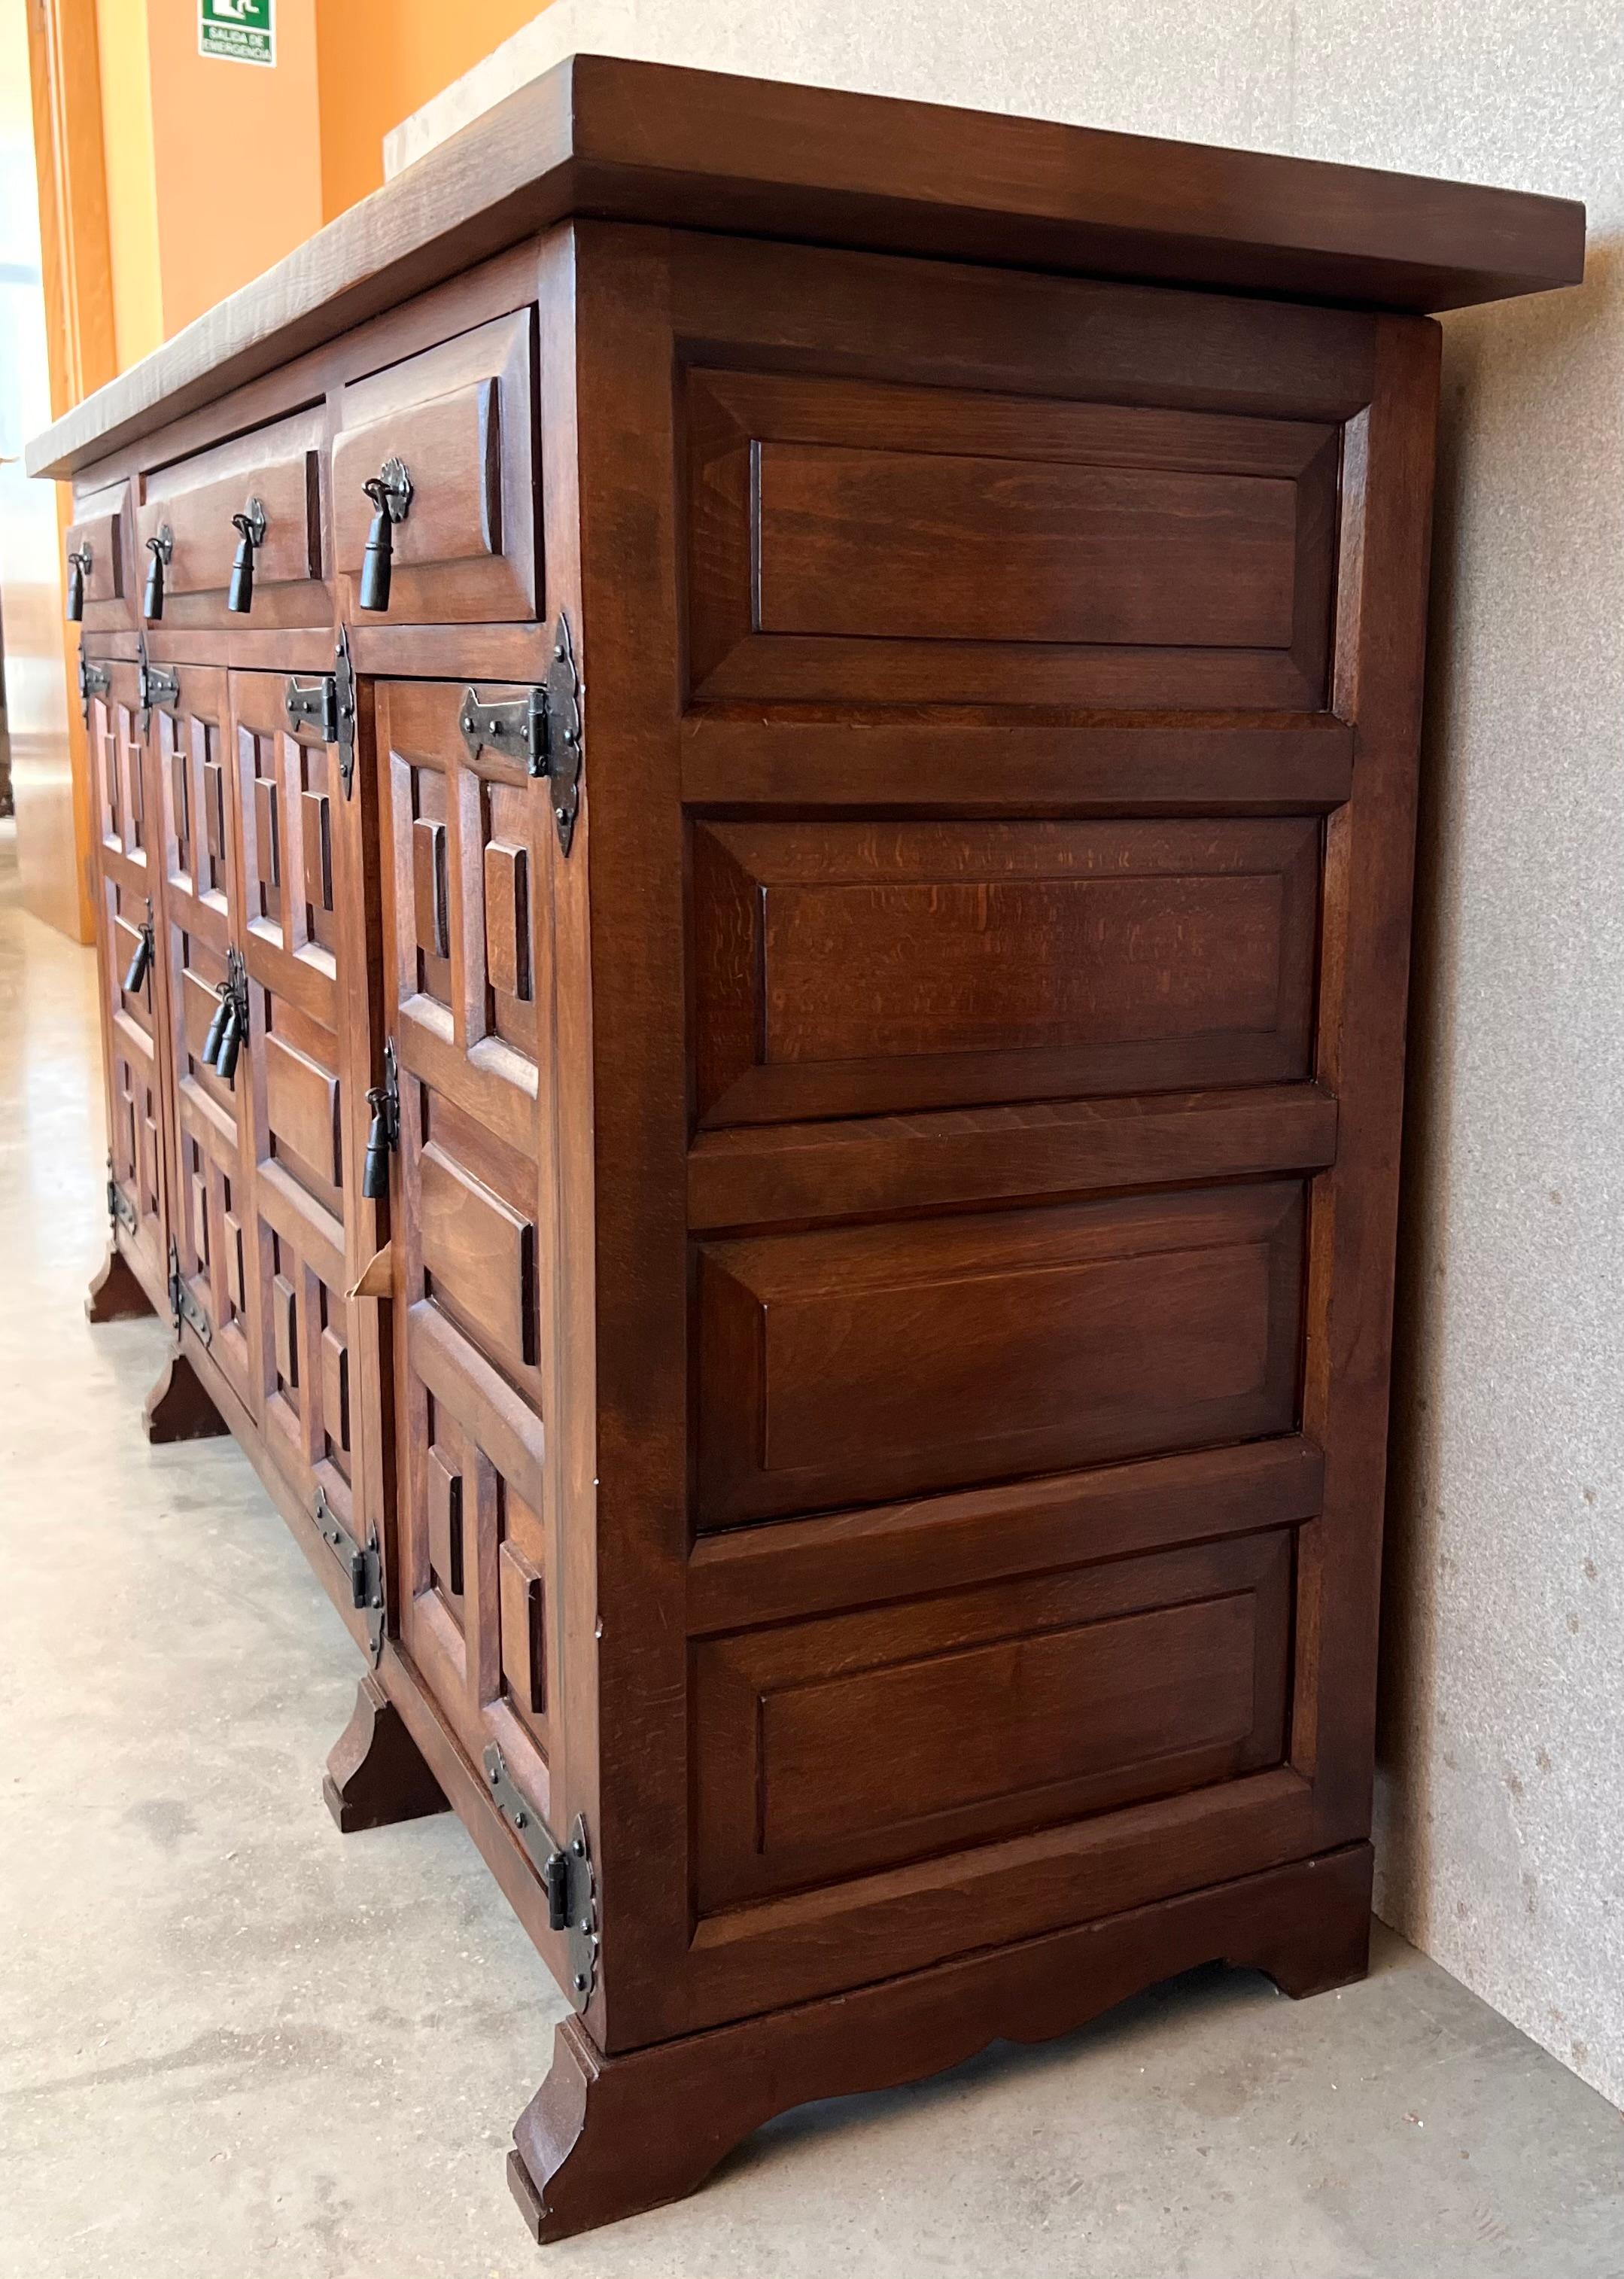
(237, 154)
(379, 61)
(215, 170)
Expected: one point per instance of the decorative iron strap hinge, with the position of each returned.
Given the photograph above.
(155, 684)
(362, 1562)
(120, 1210)
(94, 680)
(183, 1305)
(328, 705)
(544, 725)
(565, 1871)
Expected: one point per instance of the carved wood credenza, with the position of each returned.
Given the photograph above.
(753, 761)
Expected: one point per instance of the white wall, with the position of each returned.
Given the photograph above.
(1502, 1812)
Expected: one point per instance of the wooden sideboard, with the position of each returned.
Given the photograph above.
(755, 755)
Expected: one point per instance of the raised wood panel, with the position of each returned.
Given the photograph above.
(507, 919)
(835, 1746)
(788, 1570)
(281, 466)
(102, 524)
(849, 968)
(459, 417)
(762, 1174)
(884, 543)
(301, 1110)
(888, 545)
(1033, 1340)
(479, 1254)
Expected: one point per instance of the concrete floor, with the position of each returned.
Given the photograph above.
(233, 2043)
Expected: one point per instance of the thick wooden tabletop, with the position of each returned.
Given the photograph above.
(702, 150)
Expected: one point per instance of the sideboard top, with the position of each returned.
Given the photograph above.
(650, 142)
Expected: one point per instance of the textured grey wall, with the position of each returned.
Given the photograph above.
(1502, 1807)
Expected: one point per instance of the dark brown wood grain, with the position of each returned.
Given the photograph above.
(868, 1381)
(646, 142)
(607, 2136)
(376, 1775)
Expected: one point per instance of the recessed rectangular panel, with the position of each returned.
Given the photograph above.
(318, 836)
(873, 543)
(909, 546)
(850, 1366)
(479, 1254)
(846, 1743)
(302, 1108)
(848, 968)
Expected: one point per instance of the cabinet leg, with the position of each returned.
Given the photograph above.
(115, 1295)
(178, 1408)
(610, 2136)
(1327, 1943)
(606, 2137)
(375, 1773)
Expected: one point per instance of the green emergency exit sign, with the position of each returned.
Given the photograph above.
(240, 31)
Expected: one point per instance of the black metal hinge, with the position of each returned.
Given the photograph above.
(566, 1875)
(328, 705)
(543, 725)
(183, 1305)
(155, 684)
(362, 1562)
(120, 1210)
(94, 680)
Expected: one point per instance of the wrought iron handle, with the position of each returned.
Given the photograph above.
(390, 490)
(79, 570)
(162, 549)
(250, 529)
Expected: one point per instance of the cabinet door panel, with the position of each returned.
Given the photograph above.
(212, 1138)
(311, 1056)
(467, 952)
(129, 897)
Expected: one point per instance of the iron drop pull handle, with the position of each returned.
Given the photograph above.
(228, 1030)
(141, 963)
(390, 492)
(217, 1026)
(230, 1040)
(79, 570)
(384, 1099)
(162, 549)
(251, 528)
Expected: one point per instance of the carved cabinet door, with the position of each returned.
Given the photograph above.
(212, 1136)
(305, 1076)
(128, 898)
(468, 850)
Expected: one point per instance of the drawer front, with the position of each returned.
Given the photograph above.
(837, 1746)
(194, 501)
(853, 968)
(101, 530)
(884, 544)
(459, 419)
(1034, 1341)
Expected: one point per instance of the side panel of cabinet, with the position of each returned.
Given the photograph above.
(468, 853)
(306, 911)
(127, 864)
(930, 618)
(212, 1135)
